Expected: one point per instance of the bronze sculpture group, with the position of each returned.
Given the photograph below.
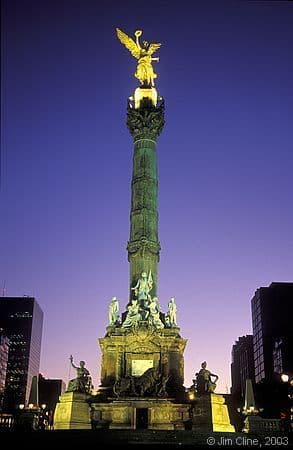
(143, 308)
(150, 383)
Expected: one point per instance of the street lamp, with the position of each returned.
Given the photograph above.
(288, 379)
(285, 378)
(288, 416)
(191, 395)
(42, 417)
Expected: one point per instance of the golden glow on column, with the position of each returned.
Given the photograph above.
(145, 93)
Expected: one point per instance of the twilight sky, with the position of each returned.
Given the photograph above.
(225, 166)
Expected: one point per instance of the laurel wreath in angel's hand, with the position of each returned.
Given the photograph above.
(136, 49)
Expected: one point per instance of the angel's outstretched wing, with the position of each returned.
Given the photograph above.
(153, 48)
(129, 43)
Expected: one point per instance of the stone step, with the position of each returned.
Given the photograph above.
(165, 438)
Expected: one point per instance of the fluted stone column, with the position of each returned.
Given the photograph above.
(145, 123)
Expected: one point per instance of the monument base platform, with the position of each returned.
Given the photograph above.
(208, 413)
(72, 412)
(142, 413)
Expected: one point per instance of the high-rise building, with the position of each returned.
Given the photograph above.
(49, 392)
(272, 312)
(282, 355)
(4, 348)
(242, 367)
(22, 320)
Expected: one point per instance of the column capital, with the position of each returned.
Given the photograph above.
(147, 122)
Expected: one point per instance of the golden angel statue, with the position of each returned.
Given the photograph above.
(143, 53)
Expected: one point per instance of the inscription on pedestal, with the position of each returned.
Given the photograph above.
(139, 366)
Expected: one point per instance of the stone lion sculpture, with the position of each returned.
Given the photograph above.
(147, 383)
(124, 386)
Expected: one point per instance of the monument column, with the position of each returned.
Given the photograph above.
(145, 121)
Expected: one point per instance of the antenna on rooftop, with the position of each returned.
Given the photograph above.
(4, 288)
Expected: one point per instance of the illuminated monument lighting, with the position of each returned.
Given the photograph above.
(142, 370)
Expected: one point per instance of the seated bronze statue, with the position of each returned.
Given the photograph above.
(205, 381)
(83, 382)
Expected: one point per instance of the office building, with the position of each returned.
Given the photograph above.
(4, 348)
(282, 355)
(242, 368)
(22, 320)
(272, 313)
(49, 392)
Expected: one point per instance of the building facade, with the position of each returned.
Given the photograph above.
(22, 320)
(242, 367)
(4, 348)
(49, 392)
(282, 355)
(272, 312)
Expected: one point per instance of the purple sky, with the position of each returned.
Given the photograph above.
(225, 166)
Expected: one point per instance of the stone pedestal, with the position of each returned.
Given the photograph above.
(220, 414)
(210, 413)
(130, 352)
(72, 412)
(129, 413)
